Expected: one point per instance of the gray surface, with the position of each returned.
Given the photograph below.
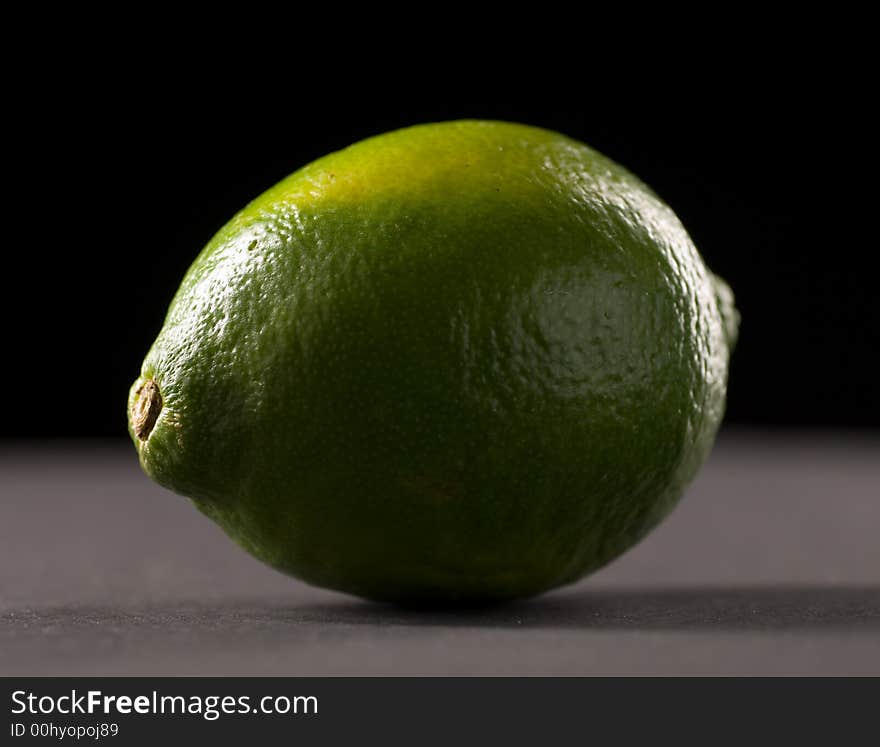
(771, 565)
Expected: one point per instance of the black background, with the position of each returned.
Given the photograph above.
(123, 184)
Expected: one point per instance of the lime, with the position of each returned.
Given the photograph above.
(459, 361)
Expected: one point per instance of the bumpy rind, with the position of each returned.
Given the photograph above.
(462, 361)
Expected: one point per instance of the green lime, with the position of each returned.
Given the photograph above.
(459, 361)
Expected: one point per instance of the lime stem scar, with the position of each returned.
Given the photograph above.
(146, 409)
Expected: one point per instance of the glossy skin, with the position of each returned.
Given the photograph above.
(462, 361)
